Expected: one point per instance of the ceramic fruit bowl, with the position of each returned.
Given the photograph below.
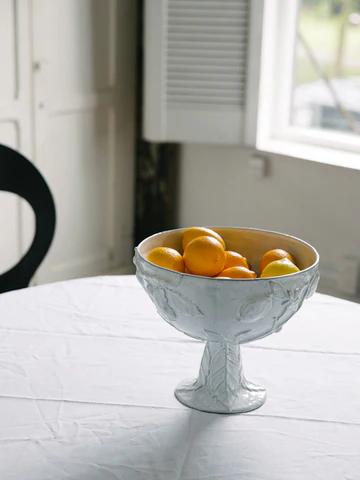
(225, 313)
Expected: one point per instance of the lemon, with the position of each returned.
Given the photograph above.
(279, 268)
(272, 255)
(195, 232)
(237, 272)
(166, 257)
(234, 259)
(204, 256)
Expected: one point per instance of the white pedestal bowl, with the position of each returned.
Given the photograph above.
(227, 312)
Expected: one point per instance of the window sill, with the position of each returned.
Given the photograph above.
(327, 156)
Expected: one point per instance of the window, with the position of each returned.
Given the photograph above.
(310, 75)
(326, 85)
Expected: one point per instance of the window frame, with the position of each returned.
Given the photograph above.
(274, 133)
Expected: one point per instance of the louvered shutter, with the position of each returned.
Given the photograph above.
(195, 70)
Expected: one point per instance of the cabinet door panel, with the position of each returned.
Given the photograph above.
(76, 150)
(75, 105)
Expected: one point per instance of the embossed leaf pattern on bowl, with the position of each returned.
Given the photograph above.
(290, 300)
(259, 307)
(254, 310)
(313, 283)
(219, 372)
(183, 304)
(168, 301)
(224, 381)
(214, 336)
(159, 297)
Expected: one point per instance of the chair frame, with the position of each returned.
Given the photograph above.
(18, 175)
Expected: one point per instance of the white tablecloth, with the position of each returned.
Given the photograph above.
(87, 373)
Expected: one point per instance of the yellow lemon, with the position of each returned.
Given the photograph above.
(194, 232)
(204, 256)
(166, 257)
(278, 268)
(272, 255)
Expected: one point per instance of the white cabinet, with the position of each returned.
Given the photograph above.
(68, 103)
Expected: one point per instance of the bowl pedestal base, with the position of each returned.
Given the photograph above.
(221, 386)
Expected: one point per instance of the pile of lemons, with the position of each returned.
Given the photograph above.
(205, 254)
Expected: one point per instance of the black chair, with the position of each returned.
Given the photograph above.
(18, 175)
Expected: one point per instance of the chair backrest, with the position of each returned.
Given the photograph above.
(18, 175)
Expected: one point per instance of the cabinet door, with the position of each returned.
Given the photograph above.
(77, 102)
(15, 121)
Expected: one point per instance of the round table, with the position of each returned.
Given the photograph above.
(87, 373)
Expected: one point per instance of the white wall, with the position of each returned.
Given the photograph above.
(316, 202)
(67, 101)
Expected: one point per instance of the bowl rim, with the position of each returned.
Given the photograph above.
(191, 275)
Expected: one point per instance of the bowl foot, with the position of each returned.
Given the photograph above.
(190, 394)
(221, 386)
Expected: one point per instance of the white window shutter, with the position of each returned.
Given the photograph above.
(195, 70)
